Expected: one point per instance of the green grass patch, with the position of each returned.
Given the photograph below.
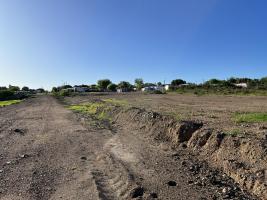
(250, 117)
(98, 110)
(10, 102)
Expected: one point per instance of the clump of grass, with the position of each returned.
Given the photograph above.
(10, 102)
(235, 132)
(98, 110)
(250, 117)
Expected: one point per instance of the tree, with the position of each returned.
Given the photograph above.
(40, 90)
(139, 83)
(25, 88)
(103, 84)
(65, 87)
(112, 87)
(55, 89)
(93, 87)
(125, 85)
(149, 85)
(13, 88)
(177, 82)
(159, 84)
(213, 82)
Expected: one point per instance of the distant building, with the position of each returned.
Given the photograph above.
(167, 87)
(80, 89)
(120, 90)
(242, 85)
(153, 88)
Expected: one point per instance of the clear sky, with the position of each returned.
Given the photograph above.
(44, 43)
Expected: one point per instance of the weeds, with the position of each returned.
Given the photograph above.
(10, 102)
(98, 110)
(250, 117)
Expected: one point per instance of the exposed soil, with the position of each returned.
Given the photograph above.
(49, 152)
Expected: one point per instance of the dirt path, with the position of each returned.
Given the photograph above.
(46, 153)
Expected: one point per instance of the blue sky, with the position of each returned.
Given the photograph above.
(50, 42)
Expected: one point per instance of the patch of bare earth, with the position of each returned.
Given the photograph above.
(49, 152)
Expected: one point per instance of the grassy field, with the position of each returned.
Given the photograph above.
(10, 102)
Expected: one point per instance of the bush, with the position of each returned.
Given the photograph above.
(6, 94)
(64, 93)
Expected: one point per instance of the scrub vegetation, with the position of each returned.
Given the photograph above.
(10, 102)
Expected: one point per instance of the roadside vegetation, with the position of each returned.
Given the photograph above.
(250, 117)
(13, 94)
(9, 102)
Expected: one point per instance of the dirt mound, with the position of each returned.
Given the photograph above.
(242, 158)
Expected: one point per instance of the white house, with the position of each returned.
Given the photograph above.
(166, 87)
(243, 85)
(80, 89)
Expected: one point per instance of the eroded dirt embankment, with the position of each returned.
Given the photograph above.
(243, 159)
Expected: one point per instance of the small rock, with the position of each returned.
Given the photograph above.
(225, 190)
(183, 162)
(8, 162)
(83, 158)
(137, 192)
(1, 171)
(24, 155)
(172, 183)
(153, 195)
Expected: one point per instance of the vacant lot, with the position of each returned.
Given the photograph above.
(219, 112)
(108, 147)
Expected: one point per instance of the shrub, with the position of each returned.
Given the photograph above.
(6, 94)
(64, 93)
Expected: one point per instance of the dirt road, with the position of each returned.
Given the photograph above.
(47, 152)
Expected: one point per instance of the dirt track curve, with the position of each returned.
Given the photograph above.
(47, 153)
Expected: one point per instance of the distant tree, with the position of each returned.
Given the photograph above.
(149, 85)
(93, 87)
(55, 89)
(139, 83)
(3, 88)
(213, 81)
(40, 90)
(13, 88)
(65, 87)
(159, 84)
(103, 84)
(177, 82)
(125, 85)
(25, 88)
(112, 87)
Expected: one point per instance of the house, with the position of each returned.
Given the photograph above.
(153, 88)
(242, 85)
(80, 89)
(120, 90)
(166, 87)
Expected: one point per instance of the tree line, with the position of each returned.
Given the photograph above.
(175, 85)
